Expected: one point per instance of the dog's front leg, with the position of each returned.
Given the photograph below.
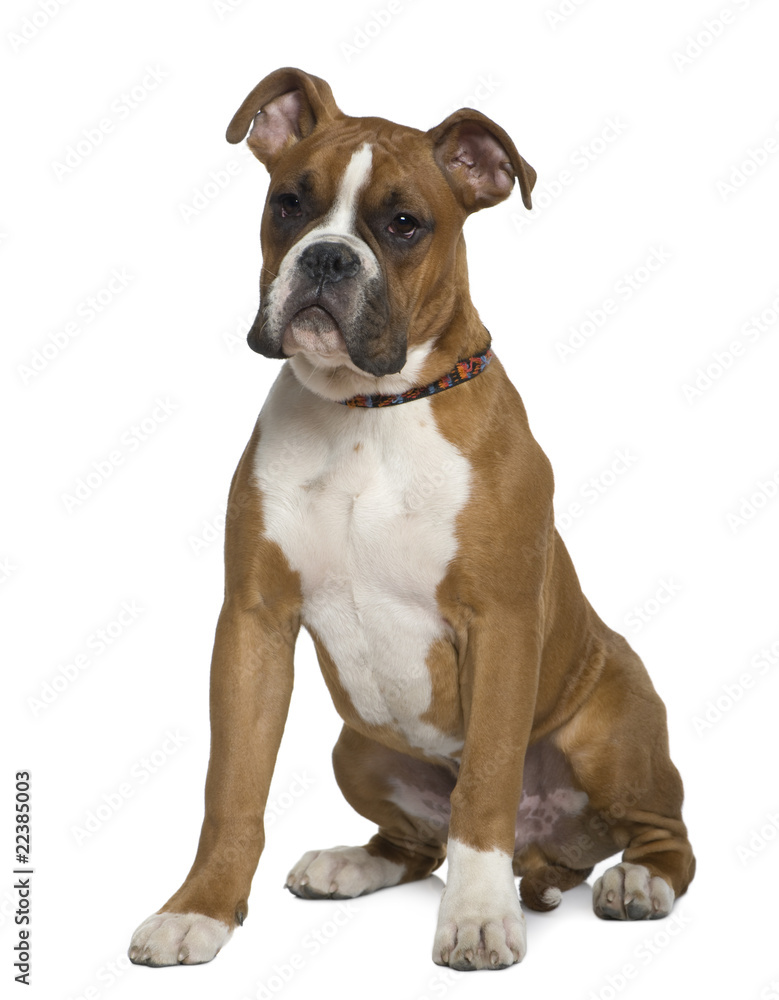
(480, 923)
(251, 683)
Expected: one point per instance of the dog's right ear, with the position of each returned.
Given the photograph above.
(285, 107)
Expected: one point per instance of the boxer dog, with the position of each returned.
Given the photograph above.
(393, 501)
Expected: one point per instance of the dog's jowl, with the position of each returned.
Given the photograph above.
(393, 502)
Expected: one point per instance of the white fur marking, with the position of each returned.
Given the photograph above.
(342, 872)
(363, 503)
(348, 380)
(178, 939)
(341, 217)
(480, 923)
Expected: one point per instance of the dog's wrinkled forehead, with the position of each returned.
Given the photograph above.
(350, 181)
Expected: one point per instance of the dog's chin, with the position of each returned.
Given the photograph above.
(314, 336)
(315, 333)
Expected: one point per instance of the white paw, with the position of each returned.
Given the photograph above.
(628, 892)
(341, 873)
(177, 939)
(480, 923)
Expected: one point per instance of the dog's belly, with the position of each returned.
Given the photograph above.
(363, 504)
(554, 816)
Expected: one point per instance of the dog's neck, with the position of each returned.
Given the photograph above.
(451, 331)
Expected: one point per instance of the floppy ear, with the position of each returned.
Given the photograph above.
(479, 160)
(285, 107)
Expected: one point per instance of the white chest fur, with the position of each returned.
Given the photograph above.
(363, 504)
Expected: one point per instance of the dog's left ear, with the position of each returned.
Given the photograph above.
(479, 160)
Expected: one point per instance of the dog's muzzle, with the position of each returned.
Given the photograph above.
(328, 301)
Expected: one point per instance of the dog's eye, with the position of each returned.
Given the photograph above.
(289, 205)
(403, 225)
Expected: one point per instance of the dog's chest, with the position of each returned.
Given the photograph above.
(363, 504)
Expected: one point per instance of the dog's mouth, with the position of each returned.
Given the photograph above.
(313, 330)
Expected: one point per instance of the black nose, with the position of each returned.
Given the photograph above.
(329, 262)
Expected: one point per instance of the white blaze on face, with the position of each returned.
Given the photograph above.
(340, 221)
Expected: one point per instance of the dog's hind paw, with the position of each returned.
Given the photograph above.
(629, 892)
(341, 873)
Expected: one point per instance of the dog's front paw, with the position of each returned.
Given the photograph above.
(477, 940)
(480, 923)
(341, 873)
(177, 939)
(629, 892)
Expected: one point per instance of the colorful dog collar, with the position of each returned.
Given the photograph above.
(465, 369)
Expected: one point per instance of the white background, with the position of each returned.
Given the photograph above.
(175, 332)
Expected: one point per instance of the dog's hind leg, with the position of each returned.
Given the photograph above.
(408, 799)
(617, 745)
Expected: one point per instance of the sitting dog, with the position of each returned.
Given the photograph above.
(393, 501)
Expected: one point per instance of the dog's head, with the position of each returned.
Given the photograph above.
(361, 233)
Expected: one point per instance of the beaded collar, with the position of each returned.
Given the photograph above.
(465, 369)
